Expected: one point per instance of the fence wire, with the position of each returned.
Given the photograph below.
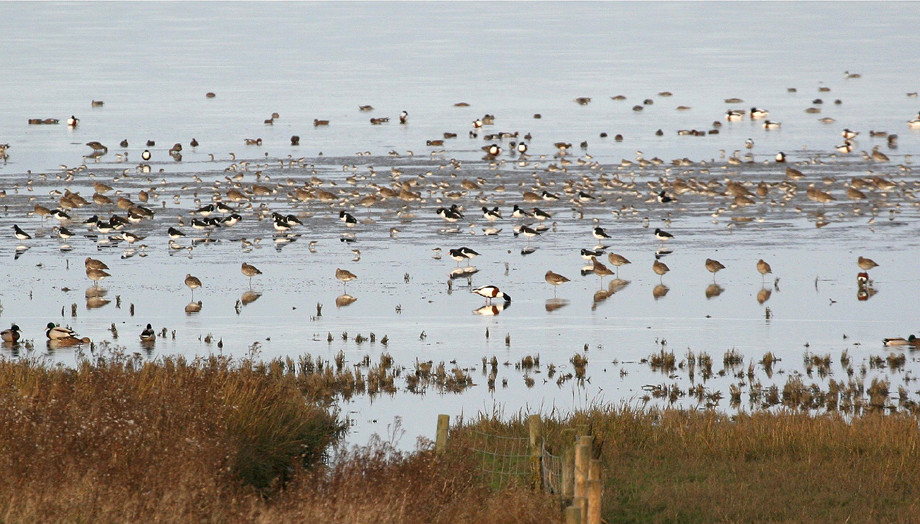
(552, 471)
(506, 461)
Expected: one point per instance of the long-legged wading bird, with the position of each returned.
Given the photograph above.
(555, 279)
(250, 271)
(345, 276)
(192, 283)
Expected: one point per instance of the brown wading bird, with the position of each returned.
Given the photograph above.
(763, 268)
(192, 283)
(250, 271)
(555, 279)
(92, 263)
(600, 269)
(96, 275)
(714, 266)
(617, 261)
(660, 268)
(344, 276)
(866, 263)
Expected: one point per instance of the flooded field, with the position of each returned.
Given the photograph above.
(605, 335)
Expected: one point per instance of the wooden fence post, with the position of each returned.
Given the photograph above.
(573, 514)
(582, 504)
(440, 445)
(582, 456)
(568, 472)
(535, 425)
(595, 489)
(582, 461)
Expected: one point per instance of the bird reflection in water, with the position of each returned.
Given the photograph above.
(249, 297)
(552, 304)
(616, 285)
(491, 310)
(714, 290)
(344, 300)
(95, 297)
(193, 307)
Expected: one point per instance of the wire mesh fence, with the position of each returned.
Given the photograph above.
(505, 460)
(551, 468)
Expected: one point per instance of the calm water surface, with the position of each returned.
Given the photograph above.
(152, 63)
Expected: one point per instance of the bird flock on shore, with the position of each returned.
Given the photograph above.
(560, 180)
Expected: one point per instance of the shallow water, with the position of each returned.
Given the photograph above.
(153, 63)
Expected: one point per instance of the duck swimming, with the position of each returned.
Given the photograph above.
(63, 336)
(10, 335)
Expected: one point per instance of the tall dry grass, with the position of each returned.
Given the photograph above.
(119, 440)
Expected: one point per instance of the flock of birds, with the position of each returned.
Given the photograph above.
(582, 184)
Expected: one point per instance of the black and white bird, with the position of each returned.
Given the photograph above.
(491, 214)
(451, 214)
(174, 233)
(348, 218)
(663, 235)
(599, 233)
(463, 253)
(60, 215)
(517, 212)
(20, 234)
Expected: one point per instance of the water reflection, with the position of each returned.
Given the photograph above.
(714, 290)
(12, 346)
(193, 307)
(96, 302)
(865, 293)
(344, 300)
(660, 291)
(552, 304)
(462, 272)
(58, 343)
(490, 310)
(95, 292)
(763, 295)
(147, 345)
(616, 285)
(249, 297)
(599, 296)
